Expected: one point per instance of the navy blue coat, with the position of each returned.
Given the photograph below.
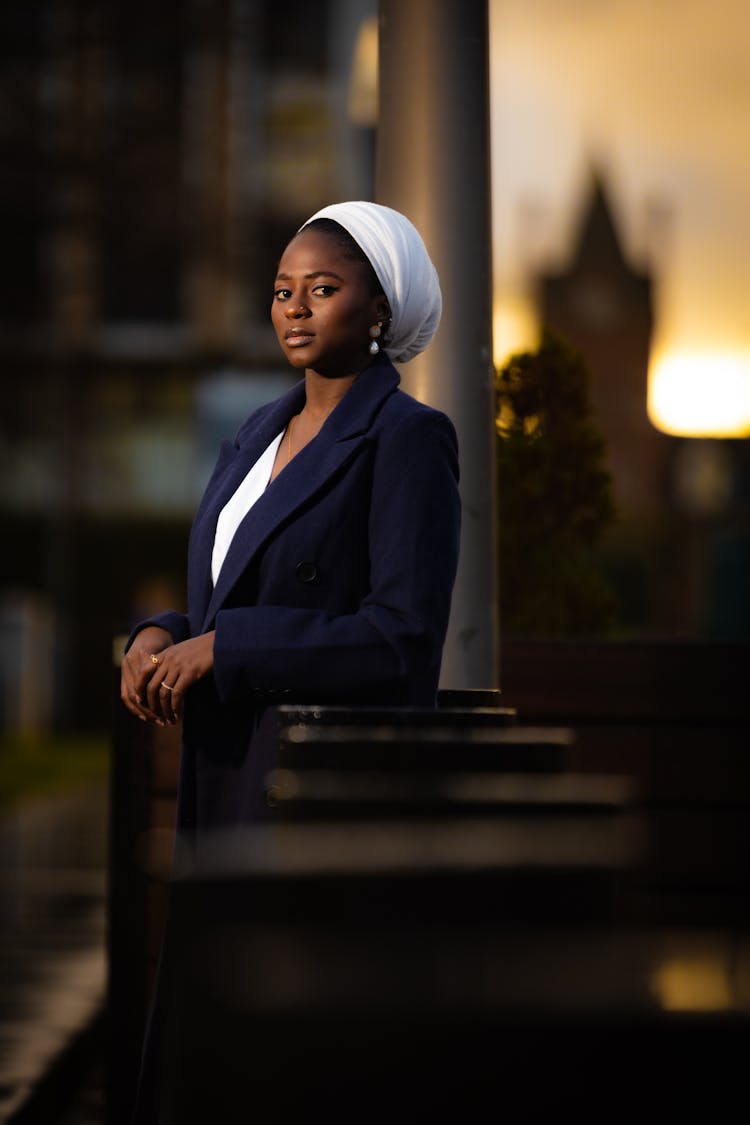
(336, 587)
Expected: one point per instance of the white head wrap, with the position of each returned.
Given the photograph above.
(399, 257)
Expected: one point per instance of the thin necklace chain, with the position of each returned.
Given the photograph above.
(292, 420)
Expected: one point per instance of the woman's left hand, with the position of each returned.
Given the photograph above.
(179, 666)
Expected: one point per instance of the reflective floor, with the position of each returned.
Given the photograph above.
(53, 854)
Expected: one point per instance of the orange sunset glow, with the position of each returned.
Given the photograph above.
(656, 97)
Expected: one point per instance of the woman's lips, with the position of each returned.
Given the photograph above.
(299, 339)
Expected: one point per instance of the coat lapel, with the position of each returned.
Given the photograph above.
(339, 440)
(234, 463)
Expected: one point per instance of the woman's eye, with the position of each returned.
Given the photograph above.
(282, 294)
(324, 290)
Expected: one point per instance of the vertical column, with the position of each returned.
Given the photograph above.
(72, 69)
(210, 292)
(432, 163)
(69, 84)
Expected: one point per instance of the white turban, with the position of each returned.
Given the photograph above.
(399, 257)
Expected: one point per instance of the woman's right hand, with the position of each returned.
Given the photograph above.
(138, 666)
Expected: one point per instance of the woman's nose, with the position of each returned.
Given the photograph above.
(294, 309)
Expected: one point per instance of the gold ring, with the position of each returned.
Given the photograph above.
(166, 686)
(154, 659)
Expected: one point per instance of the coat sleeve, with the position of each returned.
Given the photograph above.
(396, 635)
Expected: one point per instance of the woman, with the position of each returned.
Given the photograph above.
(323, 554)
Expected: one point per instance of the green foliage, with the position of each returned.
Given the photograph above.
(30, 767)
(555, 496)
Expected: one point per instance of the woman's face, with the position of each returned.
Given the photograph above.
(323, 307)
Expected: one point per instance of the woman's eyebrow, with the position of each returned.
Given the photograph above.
(312, 276)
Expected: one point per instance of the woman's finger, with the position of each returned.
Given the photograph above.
(171, 700)
(130, 692)
(141, 673)
(153, 694)
(130, 697)
(134, 703)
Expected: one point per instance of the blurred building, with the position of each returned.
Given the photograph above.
(154, 159)
(677, 557)
(603, 305)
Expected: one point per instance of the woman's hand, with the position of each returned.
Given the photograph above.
(139, 664)
(179, 666)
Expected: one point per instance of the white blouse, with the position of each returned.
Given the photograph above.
(238, 505)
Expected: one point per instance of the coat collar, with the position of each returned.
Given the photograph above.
(339, 439)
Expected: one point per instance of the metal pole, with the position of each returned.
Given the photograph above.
(432, 163)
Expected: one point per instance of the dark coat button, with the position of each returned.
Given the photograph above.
(307, 571)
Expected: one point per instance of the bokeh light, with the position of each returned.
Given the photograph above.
(701, 394)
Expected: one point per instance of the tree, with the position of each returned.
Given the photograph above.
(555, 496)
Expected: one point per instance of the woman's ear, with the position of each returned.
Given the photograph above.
(383, 312)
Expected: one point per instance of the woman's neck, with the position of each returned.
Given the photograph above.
(323, 395)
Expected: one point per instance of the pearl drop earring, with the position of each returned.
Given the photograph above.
(375, 333)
